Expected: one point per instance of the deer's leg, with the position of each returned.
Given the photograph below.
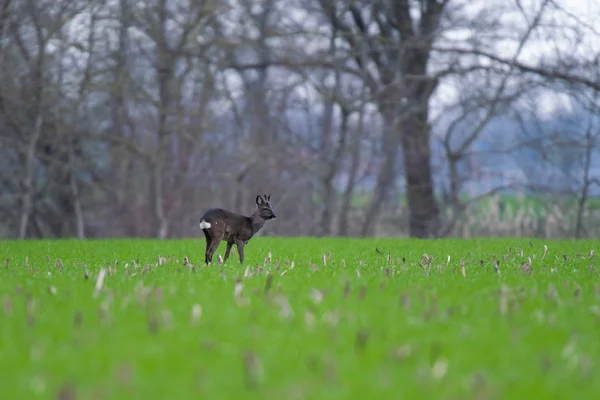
(208, 246)
(240, 248)
(216, 240)
(211, 250)
(229, 245)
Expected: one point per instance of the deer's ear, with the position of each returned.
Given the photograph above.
(259, 200)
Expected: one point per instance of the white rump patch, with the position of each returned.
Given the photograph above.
(204, 224)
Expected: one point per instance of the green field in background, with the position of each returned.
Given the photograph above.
(323, 318)
(537, 204)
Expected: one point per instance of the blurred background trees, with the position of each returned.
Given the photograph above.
(425, 118)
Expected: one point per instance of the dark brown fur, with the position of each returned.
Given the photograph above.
(233, 228)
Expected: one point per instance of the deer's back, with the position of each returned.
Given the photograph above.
(215, 214)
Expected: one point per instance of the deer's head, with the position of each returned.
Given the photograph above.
(264, 207)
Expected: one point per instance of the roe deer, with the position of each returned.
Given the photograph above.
(218, 224)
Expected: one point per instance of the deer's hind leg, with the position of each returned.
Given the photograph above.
(209, 240)
(216, 238)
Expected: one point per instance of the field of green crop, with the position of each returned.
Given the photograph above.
(304, 318)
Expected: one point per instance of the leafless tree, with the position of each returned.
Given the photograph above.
(391, 47)
(124, 118)
(169, 47)
(26, 98)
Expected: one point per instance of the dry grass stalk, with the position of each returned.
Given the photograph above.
(503, 300)
(196, 313)
(269, 282)
(317, 296)
(285, 309)
(439, 369)
(253, 369)
(497, 267)
(8, 306)
(99, 282)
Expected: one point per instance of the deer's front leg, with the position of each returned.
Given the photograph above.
(240, 248)
(227, 250)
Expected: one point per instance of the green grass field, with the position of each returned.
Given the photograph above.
(355, 324)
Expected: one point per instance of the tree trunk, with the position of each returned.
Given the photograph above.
(26, 198)
(165, 67)
(325, 144)
(333, 166)
(583, 195)
(239, 195)
(387, 173)
(4, 12)
(77, 207)
(349, 191)
(424, 211)
(160, 221)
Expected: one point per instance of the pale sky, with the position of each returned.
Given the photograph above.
(570, 32)
(557, 35)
